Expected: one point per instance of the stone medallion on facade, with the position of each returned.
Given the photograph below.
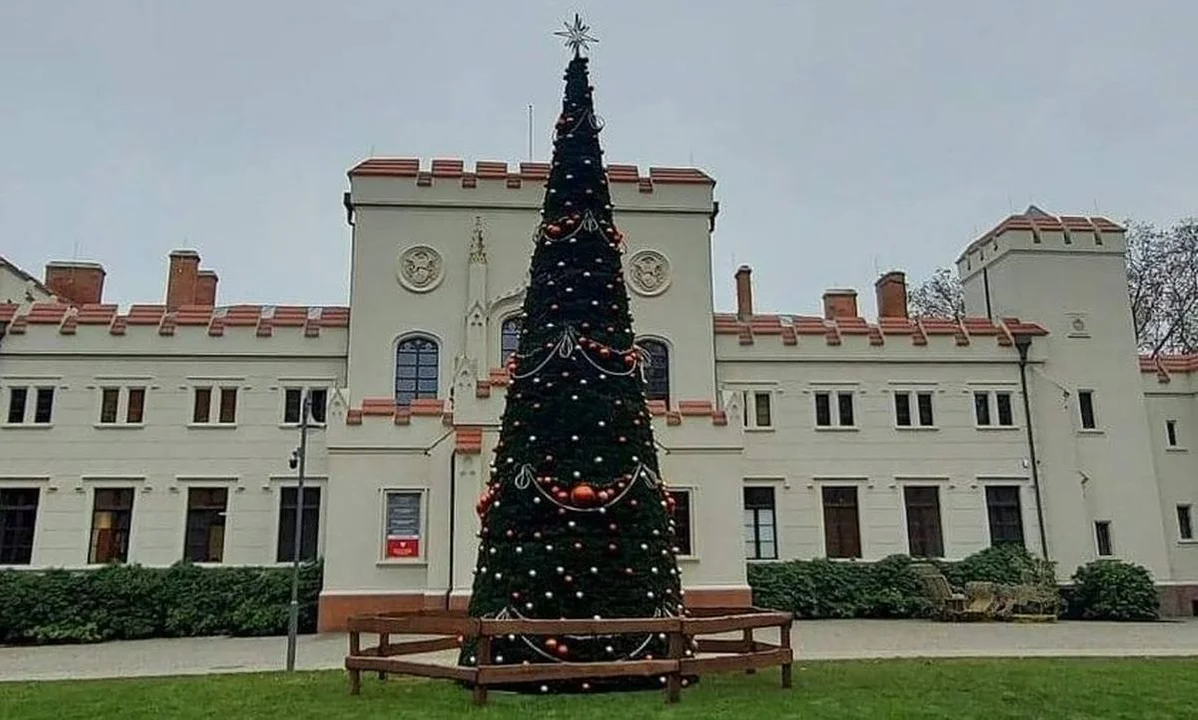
(420, 268)
(649, 272)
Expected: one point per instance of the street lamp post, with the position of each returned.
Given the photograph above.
(298, 458)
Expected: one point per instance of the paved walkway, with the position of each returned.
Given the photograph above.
(817, 640)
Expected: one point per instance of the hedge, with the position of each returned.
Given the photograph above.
(890, 588)
(126, 602)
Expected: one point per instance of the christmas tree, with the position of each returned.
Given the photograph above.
(575, 519)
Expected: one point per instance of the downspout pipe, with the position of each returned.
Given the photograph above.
(1023, 343)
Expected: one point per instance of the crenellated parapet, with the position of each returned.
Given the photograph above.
(263, 320)
(918, 332)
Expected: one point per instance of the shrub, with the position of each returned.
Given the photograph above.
(830, 589)
(128, 602)
(1113, 590)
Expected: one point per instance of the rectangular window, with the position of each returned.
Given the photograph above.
(925, 538)
(761, 542)
(309, 528)
(682, 521)
(402, 525)
(1005, 514)
(207, 509)
(1002, 401)
(981, 408)
(201, 410)
(1102, 537)
(18, 519)
(228, 405)
(823, 409)
(762, 412)
(110, 398)
(17, 398)
(844, 404)
(135, 411)
(902, 409)
(1171, 432)
(112, 518)
(293, 399)
(923, 402)
(1085, 405)
(44, 406)
(842, 529)
(1185, 523)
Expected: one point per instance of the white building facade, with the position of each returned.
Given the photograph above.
(162, 432)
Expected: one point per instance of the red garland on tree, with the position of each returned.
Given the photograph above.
(575, 520)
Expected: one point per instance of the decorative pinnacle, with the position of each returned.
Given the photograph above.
(577, 35)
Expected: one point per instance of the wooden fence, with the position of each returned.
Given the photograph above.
(451, 629)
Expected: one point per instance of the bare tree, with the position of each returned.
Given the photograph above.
(1162, 287)
(938, 296)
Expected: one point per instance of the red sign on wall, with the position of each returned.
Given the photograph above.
(403, 547)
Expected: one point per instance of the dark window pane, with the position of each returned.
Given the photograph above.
(319, 399)
(1171, 432)
(309, 530)
(844, 402)
(1185, 523)
(109, 399)
(924, 535)
(981, 407)
(416, 358)
(759, 497)
(1085, 401)
(112, 518)
(762, 410)
(842, 532)
(1003, 402)
(902, 409)
(202, 408)
(823, 409)
(1005, 514)
(17, 397)
(206, 509)
(135, 413)
(45, 405)
(682, 521)
(292, 397)
(509, 338)
(761, 542)
(18, 520)
(228, 405)
(657, 370)
(1102, 533)
(924, 402)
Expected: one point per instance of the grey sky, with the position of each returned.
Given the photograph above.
(843, 135)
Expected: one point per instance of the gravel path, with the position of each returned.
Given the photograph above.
(817, 640)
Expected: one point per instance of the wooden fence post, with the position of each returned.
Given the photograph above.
(355, 676)
(674, 680)
(748, 640)
(384, 639)
(786, 668)
(483, 657)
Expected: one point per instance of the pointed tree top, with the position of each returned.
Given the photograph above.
(577, 36)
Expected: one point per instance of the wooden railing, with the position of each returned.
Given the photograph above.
(451, 629)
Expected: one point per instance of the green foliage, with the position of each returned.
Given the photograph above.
(1005, 564)
(829, 589)
(1113, 590)
(126, 602)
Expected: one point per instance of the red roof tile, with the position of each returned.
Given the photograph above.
(488, 169)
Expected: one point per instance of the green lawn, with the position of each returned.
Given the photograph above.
(1057, 689)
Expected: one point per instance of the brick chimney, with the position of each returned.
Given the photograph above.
(892, 294)
(76, 283)
(182, 279)
(839, 303)
(206, 288)
(744, 292)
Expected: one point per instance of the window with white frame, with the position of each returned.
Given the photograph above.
(993, 408)
(1102, 538)
(402, 524)
(656, 358)
(509, 337)
(417, 367)
(30, 405)
(1185, 522)
(759, 409)
(293, 402)
(761, 540)
(214, 405)
(834, 408)
(18, 524)
(1171, 437)
(122, 405)
(309, 527)
(207, 513)
(1005, 514)
(682, 520)
(913, 409)
(1085, 409)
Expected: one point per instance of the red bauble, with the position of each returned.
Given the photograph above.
(562, 650)
(605, 352)
(553, 230)
(583, 495)
(630, 359)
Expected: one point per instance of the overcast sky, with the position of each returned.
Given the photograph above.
(845, 136)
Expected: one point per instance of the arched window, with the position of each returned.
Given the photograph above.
(657, 369)
(509, 338)
(415, 369)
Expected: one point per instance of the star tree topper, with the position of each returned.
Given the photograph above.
(577, 35)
